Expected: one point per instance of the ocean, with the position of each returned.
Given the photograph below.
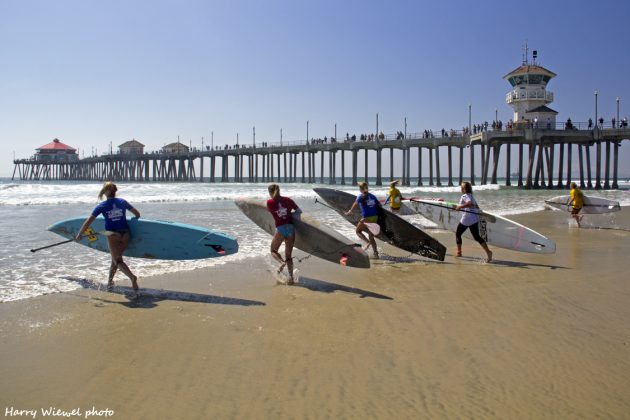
(28, 208)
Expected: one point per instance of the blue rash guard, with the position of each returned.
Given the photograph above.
(114, 211)
(368, 205)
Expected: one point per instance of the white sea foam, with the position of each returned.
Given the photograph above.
(28, 208)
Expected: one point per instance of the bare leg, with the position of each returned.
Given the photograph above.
(275, 245)
(488, 252)
(118, 245)
(288, 251)
(373, 243)
(360, 229)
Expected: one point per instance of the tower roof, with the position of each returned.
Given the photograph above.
(530, 69)
(132, 143)
(56, 145)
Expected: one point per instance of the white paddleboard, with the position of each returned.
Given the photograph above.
(592, 205)
(495, 230)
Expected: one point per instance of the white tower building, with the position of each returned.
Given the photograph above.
(529, 97)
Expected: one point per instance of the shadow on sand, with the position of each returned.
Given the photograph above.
(326, 287)
(516, 264)
(149, 297)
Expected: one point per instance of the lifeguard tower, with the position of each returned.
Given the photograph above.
(529, 96)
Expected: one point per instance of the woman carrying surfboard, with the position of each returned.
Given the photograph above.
(469, 220)
(394, 197)
(282, 210)
(114, 211)
(577, 202)
(370, 207)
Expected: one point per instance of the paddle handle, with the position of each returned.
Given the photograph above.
(52, 245)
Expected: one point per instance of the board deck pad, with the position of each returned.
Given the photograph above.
(394, 229)
(154, 239)
(311, 236)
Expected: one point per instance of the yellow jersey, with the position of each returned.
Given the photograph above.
(395, 198)
(577, 198)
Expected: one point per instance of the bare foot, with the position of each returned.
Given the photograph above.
(281, 267)
(489, 259)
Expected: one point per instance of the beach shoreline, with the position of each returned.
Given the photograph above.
(528, 336)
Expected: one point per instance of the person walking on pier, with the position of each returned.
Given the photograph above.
(394, 197)
(469, 220)
(282, 210)
(370, 207)
(114, 211)
(576, 202)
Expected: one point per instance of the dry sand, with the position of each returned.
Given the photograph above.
(527, 337)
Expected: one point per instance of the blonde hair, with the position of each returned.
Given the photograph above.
(274, 190)
(467, 187)
(363, 186)
(108, 190)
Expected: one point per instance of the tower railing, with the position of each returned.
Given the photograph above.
(517, 95)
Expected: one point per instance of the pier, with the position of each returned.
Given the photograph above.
(545, 159)
(542, 147)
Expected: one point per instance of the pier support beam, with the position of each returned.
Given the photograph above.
(560, 165)
(607, 170)
(472, 164)
(430, 167)
(616, 146)
(379, 181)
(450, 166)
(508, 152)
(419, 166)
(581, 166)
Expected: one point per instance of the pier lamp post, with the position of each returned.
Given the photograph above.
(596, 120)
(281, 137)
(618, 125)
(335, 131)
(496, 115)
(212, 140)
(405, 128)
(254, 136)
(377, 126)
(469, 118)
(306, 131)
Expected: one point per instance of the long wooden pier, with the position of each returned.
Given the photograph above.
(538, 152)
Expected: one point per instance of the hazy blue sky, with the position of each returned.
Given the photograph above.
(91, 73)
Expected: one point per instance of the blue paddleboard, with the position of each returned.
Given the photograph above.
(154, 239)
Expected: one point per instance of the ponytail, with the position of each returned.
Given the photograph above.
(108, 190)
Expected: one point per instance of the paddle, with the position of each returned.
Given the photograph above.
(480, 213)
(374, 228)
(104, 232)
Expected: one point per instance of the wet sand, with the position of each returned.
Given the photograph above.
(528, 336)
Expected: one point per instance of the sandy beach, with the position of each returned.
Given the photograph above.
(526, 337)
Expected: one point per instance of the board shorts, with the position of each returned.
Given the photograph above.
(286, 231)
(371, 219)
(120, 232)
(576, 210)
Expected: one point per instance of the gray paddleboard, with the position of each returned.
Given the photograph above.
(311, 236)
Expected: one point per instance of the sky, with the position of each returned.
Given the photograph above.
(99, 73)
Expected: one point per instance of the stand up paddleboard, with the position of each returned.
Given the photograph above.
(592, 205)
(311, 236)
(154, 239)
(495, 230)
(394, 229)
